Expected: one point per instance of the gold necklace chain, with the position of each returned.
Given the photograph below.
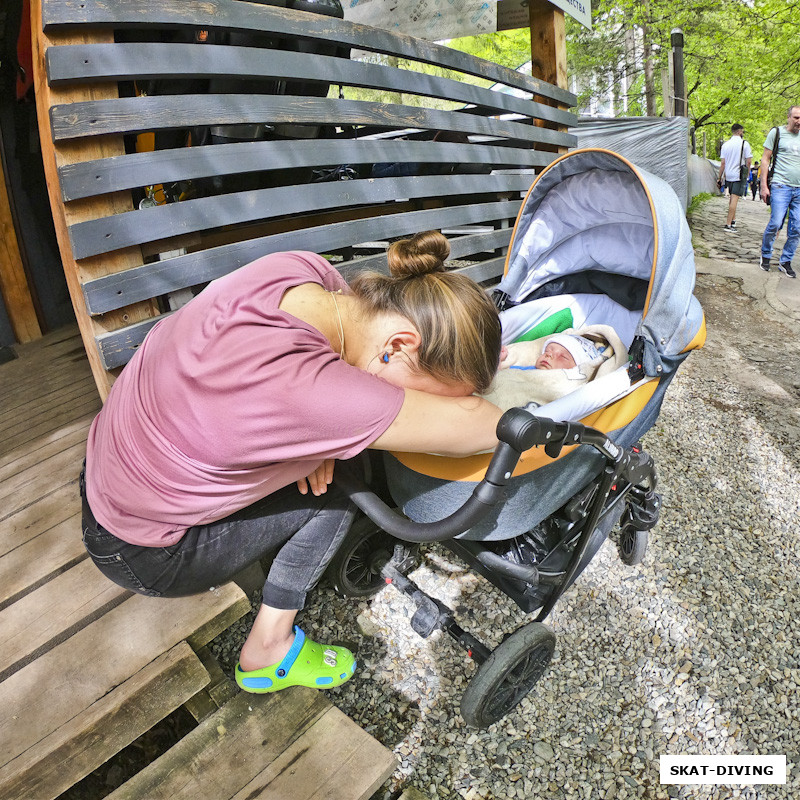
(339, 319)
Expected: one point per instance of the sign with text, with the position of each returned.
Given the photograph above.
(514, 13)
(437, 20)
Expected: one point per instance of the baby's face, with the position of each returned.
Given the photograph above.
(555, 356)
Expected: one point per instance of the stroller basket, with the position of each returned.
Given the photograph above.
(597, 241)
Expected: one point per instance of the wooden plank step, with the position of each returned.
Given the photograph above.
(58, 464)
(53, 612)
(71, 752)
(52, 379)
(42, 557)
(49, 692)
(39, 516)
(291, 745)
(45, 406)
(29, 371)
(45, 447)
(29, 437)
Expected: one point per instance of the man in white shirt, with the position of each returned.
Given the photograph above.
(735, 158)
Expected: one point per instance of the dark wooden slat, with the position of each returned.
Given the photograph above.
(167, 166)
(213, 14)
(140, 114)
(491, 269)
(117, 347)
(102, 62)
(151, 280)
(485, 270)
(468, 245)
(61, 759)
(460, 247)
(94, 237)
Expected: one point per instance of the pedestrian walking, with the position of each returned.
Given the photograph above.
(734, 168)
(780, 189)
(755, 179)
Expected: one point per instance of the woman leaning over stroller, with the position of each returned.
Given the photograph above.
(237, 405)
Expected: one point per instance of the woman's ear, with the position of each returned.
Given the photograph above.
(407, 341)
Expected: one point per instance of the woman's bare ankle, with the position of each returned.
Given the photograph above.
(257, 655)
(269, 641)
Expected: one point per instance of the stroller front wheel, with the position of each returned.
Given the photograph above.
(355, 570)
(510, 672)
(632, 546)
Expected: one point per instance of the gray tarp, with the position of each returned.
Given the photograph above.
(702, 176)
(657, 144)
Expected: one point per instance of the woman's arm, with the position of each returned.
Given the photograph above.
(451, 426)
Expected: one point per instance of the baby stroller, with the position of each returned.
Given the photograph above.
(597, 240)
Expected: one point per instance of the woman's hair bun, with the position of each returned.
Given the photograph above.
(421, 255)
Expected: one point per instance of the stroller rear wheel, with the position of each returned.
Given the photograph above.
(632, 546)
(355, 570)
(510, 672)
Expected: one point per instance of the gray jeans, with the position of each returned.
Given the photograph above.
(304, 530)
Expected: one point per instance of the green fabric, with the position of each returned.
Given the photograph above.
(555, 323)
(787, 167)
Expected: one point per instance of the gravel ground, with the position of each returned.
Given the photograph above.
(695, 651)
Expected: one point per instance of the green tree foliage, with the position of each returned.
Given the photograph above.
(741, 59)
(507, 48)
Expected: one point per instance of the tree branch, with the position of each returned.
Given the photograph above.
(698, 123)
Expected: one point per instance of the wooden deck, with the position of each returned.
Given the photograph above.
(86, 667)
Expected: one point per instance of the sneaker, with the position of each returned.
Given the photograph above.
(764, 264)
(787, 269)
(733, 224)
(729, 228)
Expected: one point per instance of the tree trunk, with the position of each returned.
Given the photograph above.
(649, 83)
(630, 67)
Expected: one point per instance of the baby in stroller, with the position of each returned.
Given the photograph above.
(545, 369)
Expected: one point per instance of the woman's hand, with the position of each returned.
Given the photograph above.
(318, 480)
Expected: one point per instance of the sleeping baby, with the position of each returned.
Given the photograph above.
(548, 368)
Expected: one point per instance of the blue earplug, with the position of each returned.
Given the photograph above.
(385, 358)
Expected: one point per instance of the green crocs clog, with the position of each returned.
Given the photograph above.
(306, 664)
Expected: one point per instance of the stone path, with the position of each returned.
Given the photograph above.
(736, 255)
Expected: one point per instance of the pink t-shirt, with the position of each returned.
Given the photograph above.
(226, 401)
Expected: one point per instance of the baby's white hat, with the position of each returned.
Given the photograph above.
(579, 347)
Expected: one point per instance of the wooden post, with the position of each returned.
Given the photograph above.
(13, 280)
(666, 89)
(548, 43)
(66, 214)
(548, 54)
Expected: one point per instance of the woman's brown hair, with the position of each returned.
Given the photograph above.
(457, 322)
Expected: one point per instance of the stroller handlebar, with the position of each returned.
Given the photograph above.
(518, 430)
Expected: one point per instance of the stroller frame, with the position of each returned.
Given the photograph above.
(623, 491)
